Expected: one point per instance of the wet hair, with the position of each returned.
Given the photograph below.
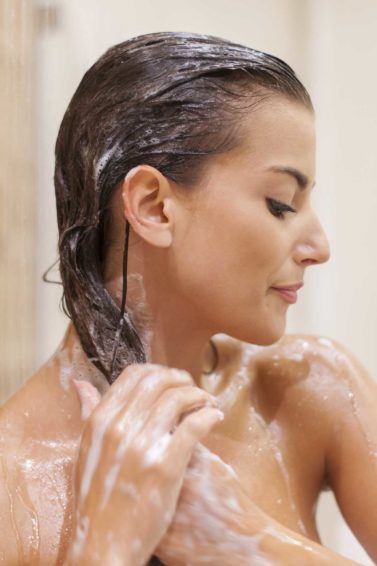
(169, 100)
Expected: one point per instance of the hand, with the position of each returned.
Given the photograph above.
(217, 523)
(135, 447)
(210, 525)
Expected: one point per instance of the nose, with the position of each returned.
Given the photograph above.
(313, 247)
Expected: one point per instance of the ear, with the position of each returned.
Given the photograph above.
(148, 205)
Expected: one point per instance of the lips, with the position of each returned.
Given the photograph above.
(294, 287)
(289, 293)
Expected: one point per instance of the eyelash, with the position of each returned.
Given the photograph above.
(278, 208)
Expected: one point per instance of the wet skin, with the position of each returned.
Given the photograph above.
(299, 415)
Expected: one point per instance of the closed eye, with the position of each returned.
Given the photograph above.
(278, 208)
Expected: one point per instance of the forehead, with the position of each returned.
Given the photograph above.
(278, 132)
(278, 117)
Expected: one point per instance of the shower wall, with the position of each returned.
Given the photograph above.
(18, 243)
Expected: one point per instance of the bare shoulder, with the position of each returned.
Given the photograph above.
(296, 352)
(308, 348)
(42, 407)
(39, 432)
(315, 372)
(290, 348)
(330, 363)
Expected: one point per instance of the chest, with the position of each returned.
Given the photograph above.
(274, 453)
(277, 457)
(39, 482)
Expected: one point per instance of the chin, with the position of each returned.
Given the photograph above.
(268, 340)
(259, 335)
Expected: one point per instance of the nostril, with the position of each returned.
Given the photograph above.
(325, 255)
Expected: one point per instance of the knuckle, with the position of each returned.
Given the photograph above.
(194, 424)
(153, 368)
(187, 396)
(150, 381)
(175, 395)
(136, 450)
(156, 374)
(131, 370)
(117, 431)
(164, 469)
(181, 374)
(113, 434)
(175, 398)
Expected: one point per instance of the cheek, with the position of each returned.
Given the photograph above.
(231, 252)
(223, 269)
(246, 245)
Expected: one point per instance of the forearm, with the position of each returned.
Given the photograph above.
(277, 544)
(251, 540)
(220, 524)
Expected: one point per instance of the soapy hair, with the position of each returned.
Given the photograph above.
(169, 100)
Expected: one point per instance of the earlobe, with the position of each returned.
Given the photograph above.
(147, 197)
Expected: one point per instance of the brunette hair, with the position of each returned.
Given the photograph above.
(170, 100)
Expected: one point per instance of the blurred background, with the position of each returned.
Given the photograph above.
(46, 46)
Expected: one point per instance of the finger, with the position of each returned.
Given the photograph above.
(120, 420)
(202, 457)
(89, 397)
(134, 416)
(194, 427)
(117, 397)
(126, 385)
(173, 405)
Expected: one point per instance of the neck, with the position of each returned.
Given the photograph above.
(178, 347)
(168, 349)
(170, 340)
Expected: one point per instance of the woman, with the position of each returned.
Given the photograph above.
(196, 431)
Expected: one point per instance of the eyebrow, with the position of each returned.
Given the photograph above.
(301, 179)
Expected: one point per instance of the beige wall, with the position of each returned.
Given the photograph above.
(331, 44)
(17, 196)
(340, 73)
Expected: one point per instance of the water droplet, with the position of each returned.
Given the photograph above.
(325, 342)
(296, 357)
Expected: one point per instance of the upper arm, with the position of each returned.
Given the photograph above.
(351, 458)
